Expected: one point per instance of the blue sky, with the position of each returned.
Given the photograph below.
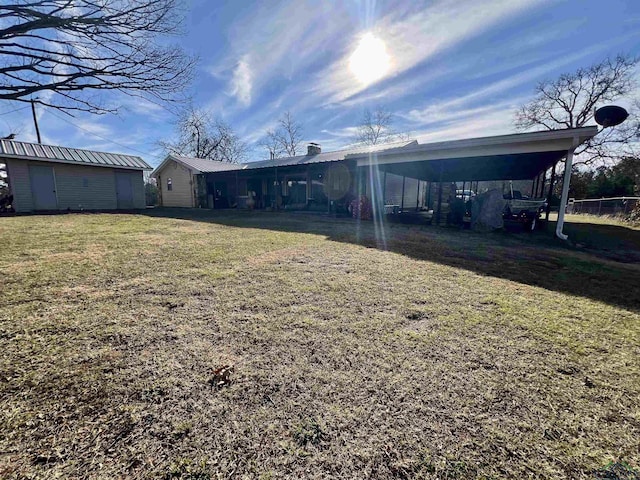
(455, 69)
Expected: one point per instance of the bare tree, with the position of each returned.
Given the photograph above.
(272, 144)
(376, 127)
(570, 102)
(57, 51)
(284, 140)
(199, 135)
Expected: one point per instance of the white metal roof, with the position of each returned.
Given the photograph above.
(197, 165)
(512, 155)
(515, 143)
(333, 156)
(51, 153)
(203, 165)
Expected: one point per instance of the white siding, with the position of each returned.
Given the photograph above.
(20, 182)
(181, 194)
(77, 186)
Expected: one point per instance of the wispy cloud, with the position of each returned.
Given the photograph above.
(270, 43)
(413, 38)
(241, 83)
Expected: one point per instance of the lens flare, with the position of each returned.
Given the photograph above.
(370, 61)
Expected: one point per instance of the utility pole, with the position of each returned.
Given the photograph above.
(35, 120)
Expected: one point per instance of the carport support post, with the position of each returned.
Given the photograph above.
(565, 194)
(551, 182)
(384, 188)
(439, 196)
(402, 201)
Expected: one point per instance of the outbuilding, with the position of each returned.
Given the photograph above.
(48, 178)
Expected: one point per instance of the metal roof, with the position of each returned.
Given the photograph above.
(203, 165)
(329, 156)
(50, 153)
(512, 156)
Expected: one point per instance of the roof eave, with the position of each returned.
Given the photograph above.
(71, 162)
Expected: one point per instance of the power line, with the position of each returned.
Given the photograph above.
(96, 135)
(14, 110)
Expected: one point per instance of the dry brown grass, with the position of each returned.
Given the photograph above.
(447, 355)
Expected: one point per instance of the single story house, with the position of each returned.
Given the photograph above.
(180, 180)
(48, 178)
(406, 175)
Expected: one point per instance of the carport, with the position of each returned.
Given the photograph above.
(522, 156)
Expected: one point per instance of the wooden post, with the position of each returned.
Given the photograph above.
(402, 201)
(418, 196)
(35, 120)
(544, 180)
(429, 196)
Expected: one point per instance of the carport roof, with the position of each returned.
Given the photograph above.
(517, 156)
(51, 153)
(504, 157)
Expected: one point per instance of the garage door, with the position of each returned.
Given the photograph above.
(124, 190)
(43, 187)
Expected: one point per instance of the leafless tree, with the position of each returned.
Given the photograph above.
(199, 135)
(570, 102)
(376, 127)
(271, 143)
(285, 139)
(64, 53)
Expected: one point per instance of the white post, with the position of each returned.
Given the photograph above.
(565, 195)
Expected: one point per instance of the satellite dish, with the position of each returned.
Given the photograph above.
(611, 115)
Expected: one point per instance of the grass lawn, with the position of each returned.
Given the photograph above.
(413, 353)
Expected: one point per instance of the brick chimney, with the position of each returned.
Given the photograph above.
(313, 149)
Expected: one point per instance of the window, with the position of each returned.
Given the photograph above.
(169, 184)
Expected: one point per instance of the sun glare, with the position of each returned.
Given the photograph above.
(370, 61)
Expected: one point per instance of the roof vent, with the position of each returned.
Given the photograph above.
(313, 149)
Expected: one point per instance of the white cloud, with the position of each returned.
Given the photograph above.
(414, 38)
(274, 44)
(241, 83)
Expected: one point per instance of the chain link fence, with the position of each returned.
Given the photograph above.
(615, 206)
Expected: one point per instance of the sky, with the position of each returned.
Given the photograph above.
(445, 69)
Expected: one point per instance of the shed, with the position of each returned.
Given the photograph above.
(48, 178)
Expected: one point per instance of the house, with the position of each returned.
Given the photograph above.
(401, 176)
(178, 180)
(304, 182)
(47, 178)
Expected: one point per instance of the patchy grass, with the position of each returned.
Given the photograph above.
(604, 235)
(428, 353)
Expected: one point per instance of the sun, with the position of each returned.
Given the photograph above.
(370, 61)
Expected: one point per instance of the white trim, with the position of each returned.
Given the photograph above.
(170, 158)
(518, 143)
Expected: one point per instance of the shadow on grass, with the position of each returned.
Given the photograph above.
(536, 259)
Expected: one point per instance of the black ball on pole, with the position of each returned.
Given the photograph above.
(610, 116)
